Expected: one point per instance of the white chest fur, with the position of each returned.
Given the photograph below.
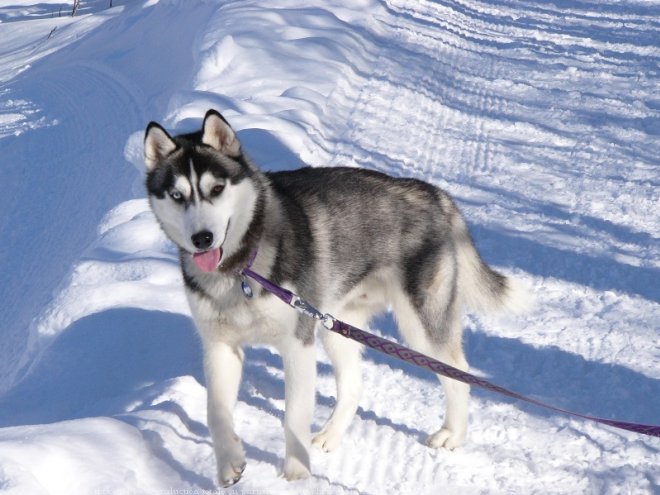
(222, 312)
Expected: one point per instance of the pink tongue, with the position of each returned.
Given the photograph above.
(208, 260)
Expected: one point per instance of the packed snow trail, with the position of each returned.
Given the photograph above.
(541, 119)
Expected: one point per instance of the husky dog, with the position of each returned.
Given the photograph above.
(353, 242)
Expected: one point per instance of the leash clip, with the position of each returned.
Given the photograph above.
(327, 320)
(305, 308)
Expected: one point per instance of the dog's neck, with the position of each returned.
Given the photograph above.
(240, 258)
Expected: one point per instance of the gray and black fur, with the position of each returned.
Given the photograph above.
(353, 242)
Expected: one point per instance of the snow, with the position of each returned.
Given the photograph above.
(542, 119)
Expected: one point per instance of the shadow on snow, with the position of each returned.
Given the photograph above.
(549, 374)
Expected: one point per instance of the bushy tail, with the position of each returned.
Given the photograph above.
(482, 288)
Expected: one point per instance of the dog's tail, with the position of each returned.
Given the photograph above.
(484, 289)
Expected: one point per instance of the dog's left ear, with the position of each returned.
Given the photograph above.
(218, 134)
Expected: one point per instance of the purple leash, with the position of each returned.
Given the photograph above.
(416, 358)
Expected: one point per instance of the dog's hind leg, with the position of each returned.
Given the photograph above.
(454, 429)
(346, 356)
(435, 328)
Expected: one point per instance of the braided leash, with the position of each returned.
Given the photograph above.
(416, 358)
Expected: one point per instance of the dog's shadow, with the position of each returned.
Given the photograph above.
(268, 152)
(263, 147)
(549, 374)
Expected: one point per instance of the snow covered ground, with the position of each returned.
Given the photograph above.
(541, 118)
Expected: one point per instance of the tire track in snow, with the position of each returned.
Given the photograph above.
(492, 115)
(523, 121)
(423, 82)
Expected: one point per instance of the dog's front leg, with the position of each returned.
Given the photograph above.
(299, 394)
(223, 365)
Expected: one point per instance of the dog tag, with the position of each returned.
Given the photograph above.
(247, 290)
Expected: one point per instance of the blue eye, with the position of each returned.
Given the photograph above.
(176, 195)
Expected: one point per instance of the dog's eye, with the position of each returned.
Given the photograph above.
(217, 190)
(176, 195)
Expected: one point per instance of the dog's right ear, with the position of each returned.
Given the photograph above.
(157, 145)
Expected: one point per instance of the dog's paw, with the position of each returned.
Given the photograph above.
(231, 465)
(294, 469)
(446, 438)
(326, 440)
(229, 474)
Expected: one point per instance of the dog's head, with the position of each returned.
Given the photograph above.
(201, 189)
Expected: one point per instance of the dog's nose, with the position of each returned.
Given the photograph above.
(202, 239)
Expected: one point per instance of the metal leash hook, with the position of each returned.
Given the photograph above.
(304, 307)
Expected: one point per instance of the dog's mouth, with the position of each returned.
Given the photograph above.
(208, 261)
